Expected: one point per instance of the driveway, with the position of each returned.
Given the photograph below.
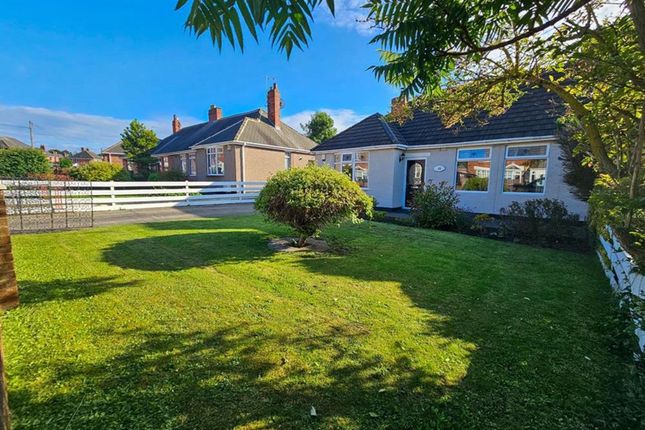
(137, 216)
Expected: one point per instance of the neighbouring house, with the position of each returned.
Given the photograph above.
(55, 155)
(515, 156)
(84, 156)
(249, 146)
(7, 142)
(115, 154)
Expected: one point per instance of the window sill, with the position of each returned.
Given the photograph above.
(471, 191)
(522, 193)
(219, 174)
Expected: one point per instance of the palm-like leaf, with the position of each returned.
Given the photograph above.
(287, 22)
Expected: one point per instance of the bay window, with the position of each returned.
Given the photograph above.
(473, 169)
(215, 159)
(525, 169)
(355, 165)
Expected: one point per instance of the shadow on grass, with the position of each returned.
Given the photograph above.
(230, 378)
(539, 361)
(189, 250)
(32, 292)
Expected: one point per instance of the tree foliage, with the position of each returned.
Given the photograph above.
(309, 198)
(99, 171)
(65, 163)
(23, 163)
(320, 127)
(138, 141)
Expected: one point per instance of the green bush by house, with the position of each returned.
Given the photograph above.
(435, 206)
(309, 198)
(99, 171)
(170, 175)
(22, 163)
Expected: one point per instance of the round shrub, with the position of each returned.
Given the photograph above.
(96, 171)
(22, 163)
(311, 197)
(435, 206)
(65, 163)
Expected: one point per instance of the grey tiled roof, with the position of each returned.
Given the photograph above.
(7, 142)
(85, 154)
(117, 148)
(534, 114)
(252, 127)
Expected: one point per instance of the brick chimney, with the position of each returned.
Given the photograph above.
(176, 125)
(274, 104)
(214, 113)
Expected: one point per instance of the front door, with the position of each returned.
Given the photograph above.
(415, 174)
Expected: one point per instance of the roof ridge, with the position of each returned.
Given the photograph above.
(215, 134)
(241, 129)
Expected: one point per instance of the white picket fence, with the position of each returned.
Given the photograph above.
(106, 196)
(622, 273)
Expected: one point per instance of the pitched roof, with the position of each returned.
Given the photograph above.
(117, 148)
(532, 115)
(85, 154)
(252, 127)
(7, 142)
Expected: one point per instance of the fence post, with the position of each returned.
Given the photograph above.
(187, 193)
(8, 300)
(112, 196)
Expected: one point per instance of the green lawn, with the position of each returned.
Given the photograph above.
(198, 325)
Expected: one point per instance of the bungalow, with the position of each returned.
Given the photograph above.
(8, 142)
(115, 154)
(249, 146)
(512, 157)
(84, 156)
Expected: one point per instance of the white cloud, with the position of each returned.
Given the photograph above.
(343, 118)
(348, 14)
(66, 130)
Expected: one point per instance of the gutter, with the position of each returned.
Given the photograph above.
(517, 140)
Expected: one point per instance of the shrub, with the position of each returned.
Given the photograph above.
(96, 171)
(122, 176)
(476, 183)
(311, 197)
(65, 163)
(22, 163)
(538, 220)
(435, 206)
(169, 175)
(609, 204)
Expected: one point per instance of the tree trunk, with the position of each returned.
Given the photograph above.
(302, 240)
(634, 184)
(637, 13)
(593, 134)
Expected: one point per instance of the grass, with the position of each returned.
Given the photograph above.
(198, 325)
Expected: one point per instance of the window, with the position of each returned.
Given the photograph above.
(164, 163)
(473, 169)
(183, 163)
(192, 164)
(525, 169)
(287, 160)
(215, 155)
(354, 165)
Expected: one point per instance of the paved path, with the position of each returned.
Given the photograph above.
(136, 216)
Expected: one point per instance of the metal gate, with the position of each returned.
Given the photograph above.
(34, 206)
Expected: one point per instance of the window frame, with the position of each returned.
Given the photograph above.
(192, 164)
(544, 157)
(216, 151)
(338, 162)
(490, 167)
(183, 159)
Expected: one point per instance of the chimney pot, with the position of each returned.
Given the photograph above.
(176, 125)
(214, 113)
(274, 103)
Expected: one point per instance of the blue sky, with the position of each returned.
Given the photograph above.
(81, 70)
